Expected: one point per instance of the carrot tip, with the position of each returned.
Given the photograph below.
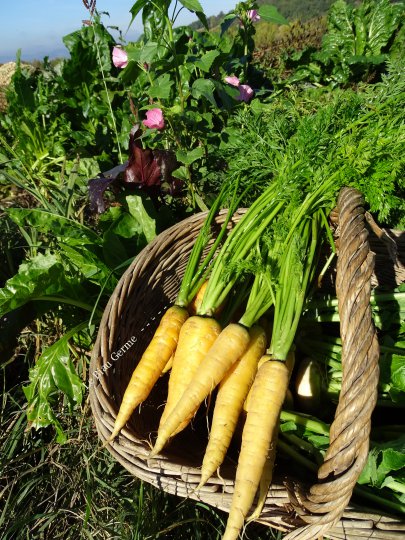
(107, 442)
(159, 445)
(155, 451)
(204, 479)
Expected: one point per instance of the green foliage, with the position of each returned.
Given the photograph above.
(301, 442)
(356, 45)
(293, 10)
(58, 112)
(76, 266)
(276, 45)
(52, 374)
(269, 13)
(358, 137)
(300, 9)
(43, 275)
(383, 459)
(182, 72)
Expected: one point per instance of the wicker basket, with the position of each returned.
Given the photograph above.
(149, 286)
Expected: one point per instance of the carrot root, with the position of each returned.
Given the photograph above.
(259, 432)
(266, 478)
(226, 350)
(151, 365)
(228, 405)
(197, 335)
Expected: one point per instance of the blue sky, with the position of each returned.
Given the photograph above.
(37, 26)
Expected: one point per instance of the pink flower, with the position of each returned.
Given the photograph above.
(154, 119)
(234, 81)
(253, 15)
(119, 57)
(245, 93)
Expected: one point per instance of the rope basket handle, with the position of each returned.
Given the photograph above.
(322, 505)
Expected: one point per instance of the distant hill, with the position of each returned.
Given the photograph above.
(293, 10)
(302, 10)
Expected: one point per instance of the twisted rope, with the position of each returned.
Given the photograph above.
(323, 504)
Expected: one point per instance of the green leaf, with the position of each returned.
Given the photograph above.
(271, 14)
(161, 87)
(392, 460)
(383, 21)
(148, 52)
(195, 7)
(40, 276)
(360, 34)
(181, 173)
(366, 60)
(392, 369)
(136, 8)
(227, 22)
(52, 373)
(288, 426)
(206, 61)
(319, 441)
(204, 88)
(87, 262)
(114, 251)
(189, 157)
(127, 227)
(136, 208)
(227, 94)
(398, 372)
(192, 5)
(57, 225)
(383, 459)
(339, 40)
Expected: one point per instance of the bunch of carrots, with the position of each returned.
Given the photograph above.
(263, 269)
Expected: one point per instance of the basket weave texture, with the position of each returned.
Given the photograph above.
(150, 285)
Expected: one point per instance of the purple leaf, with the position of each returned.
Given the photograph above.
(142, 168)
(145, 168)
(97, 187)
(166, 159)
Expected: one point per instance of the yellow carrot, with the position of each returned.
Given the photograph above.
(197, 335)
(288, 400)
(195, 303)
(168, 365)
(150, 366)
(227, 349)
(266, 477)
(267, 474)
(259, 432)
(228, 404)
(245, 406)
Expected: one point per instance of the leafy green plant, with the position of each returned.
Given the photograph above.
(385, 467)
(62, 262)
(73, 265)
(324, 134)
(382, 480)
(183, 74)
(57, 113)
(356, 44)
